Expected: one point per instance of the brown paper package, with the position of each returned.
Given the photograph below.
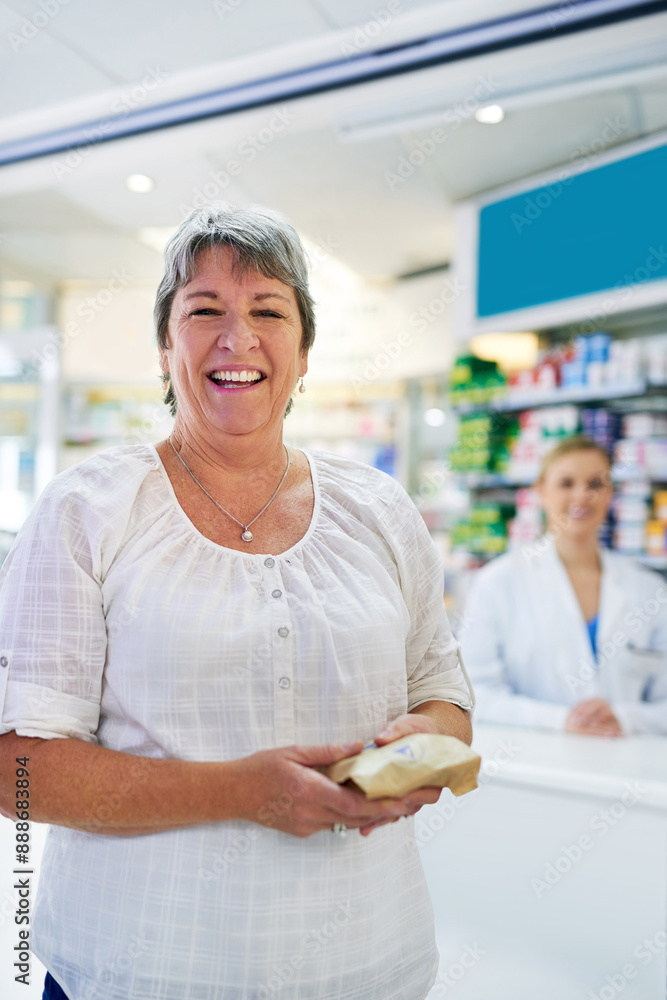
(415, 761)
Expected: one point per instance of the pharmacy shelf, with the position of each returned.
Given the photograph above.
(576, 394)
(490, 480)
(625, 475)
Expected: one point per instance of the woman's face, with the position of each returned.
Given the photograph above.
(576, 493)
(234, 348)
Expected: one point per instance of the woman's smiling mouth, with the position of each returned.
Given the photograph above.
(229, 378)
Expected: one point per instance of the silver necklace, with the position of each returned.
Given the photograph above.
(246, 535)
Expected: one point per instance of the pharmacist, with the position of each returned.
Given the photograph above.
(564, 635)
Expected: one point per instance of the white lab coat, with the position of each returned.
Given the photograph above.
(526, 646)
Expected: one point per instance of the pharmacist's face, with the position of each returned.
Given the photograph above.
(576, 493)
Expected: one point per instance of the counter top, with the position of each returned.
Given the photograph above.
(588, 765)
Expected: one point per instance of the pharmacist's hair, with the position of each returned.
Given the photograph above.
(260, 240)
(579, 442)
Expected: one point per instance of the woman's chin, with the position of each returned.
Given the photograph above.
(237, 418)
(579, 530)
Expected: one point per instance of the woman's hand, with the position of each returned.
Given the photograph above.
(593, 717)
(405, 725)
(282, 789)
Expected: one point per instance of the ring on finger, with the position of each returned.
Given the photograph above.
(340, 829)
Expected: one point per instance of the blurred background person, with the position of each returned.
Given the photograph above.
(564, 634)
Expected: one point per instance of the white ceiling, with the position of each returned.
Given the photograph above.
(61, 219)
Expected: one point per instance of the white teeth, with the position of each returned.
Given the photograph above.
(237, 376)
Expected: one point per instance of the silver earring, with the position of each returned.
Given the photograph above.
(302, 387)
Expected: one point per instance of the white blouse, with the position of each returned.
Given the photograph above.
(122, 625)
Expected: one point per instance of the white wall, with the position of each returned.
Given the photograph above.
(107, 330)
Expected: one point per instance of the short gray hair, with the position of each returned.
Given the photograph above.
(259, 239)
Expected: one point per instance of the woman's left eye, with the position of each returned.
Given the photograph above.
(269, 312)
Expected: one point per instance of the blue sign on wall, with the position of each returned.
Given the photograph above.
(588, 232)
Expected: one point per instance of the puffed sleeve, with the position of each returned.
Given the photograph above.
(52, 625)
(432, 653)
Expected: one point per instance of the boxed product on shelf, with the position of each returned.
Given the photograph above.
(656, 527)
(631, 513)
(641, 457)
(475, 380)
(484, 442)
(656, 538)
(597, 362)
(654, 351)
(527, 525)
(641, 425)
(484, 531)
(601, 426)
(625, 364)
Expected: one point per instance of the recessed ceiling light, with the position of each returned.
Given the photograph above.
(492, 114)
(435, 417)
(139, 183)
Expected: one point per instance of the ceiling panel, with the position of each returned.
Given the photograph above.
(124, 40)
(348, 13)
(476, 157)
(339, 193)
(39, 69)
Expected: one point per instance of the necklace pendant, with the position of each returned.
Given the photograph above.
(247, 536)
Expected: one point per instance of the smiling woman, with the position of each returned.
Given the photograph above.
(225, 323)
(256, 240)
(557, 642)
(179, 684)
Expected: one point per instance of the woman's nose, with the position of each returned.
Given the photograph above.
(583, 492)
(237, 336)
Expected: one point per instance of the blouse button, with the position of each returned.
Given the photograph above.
(276, 593)
(4, 662)
(283, 632)
(284, 682)
(269, 563)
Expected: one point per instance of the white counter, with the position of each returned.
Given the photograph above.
(600, 768)
(516, 917)
(549, 881)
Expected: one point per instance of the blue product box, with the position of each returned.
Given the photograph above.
(598, 347)
(573, 373)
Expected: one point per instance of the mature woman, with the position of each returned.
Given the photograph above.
(191, 631)
(564, 634)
